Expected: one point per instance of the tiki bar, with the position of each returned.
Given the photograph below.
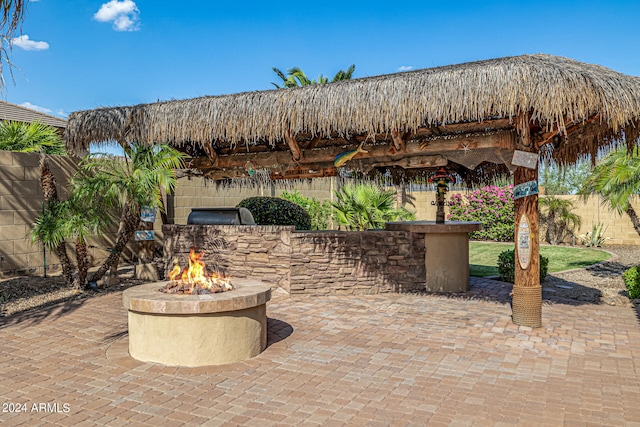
(467, 122)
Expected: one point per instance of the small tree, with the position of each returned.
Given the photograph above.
(100, 185)
(47, 229)
(617, 179)
(320, 212)
(73, 218)
(558, 217)
(127, 186)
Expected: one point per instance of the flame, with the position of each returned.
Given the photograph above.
(195, 275)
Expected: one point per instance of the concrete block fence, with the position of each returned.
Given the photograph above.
(21, 202)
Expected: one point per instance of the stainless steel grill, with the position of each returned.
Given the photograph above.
(220, 216)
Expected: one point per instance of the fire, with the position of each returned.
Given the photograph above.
(195, 276)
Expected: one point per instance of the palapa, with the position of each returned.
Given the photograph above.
(469, 116)
(574, 108)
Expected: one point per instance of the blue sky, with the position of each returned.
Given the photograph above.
(87, 54)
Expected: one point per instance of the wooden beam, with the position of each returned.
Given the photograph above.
(296, 153)
(547, 137)
(469, 127)
(500, 140)
(412, 162)
(305, 173)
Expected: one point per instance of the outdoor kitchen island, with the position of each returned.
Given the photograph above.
(446, 252)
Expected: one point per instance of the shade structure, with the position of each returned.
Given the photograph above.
(470, 117)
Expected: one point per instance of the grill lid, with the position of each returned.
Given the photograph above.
(220, 216)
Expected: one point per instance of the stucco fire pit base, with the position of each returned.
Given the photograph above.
(197, 330)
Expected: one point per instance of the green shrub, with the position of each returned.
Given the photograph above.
(492, 206)
(632, 281)
(276, 211)
(320, 212)
(507, 266)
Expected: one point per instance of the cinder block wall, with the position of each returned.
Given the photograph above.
(198, 193)
(618, 227)
(21, 202)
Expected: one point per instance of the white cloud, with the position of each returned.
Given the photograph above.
(405, 68)
(23, 42)
(123, 14)
(59, 113)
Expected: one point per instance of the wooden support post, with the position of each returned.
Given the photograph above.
(527, 292)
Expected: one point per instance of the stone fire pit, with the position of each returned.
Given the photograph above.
(197, 330)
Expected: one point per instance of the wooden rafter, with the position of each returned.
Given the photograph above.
(413, 155)
(296, 152)
(397, 142)
(211, 153)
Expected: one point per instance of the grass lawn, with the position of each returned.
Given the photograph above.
(483, 257)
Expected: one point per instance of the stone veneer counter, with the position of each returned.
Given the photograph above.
(197, 330)
(446, 252)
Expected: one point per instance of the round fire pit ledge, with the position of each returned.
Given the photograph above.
(197, 330)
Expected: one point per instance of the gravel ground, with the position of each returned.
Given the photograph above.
(27, 292)
(598, 284)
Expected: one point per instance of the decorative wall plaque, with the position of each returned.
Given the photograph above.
(525, 189)
(524, 242)
(525, 159)
(142, 235)
(148, 214)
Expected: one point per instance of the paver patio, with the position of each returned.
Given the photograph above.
(393, 359)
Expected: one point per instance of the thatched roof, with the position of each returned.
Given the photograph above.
(576, 106)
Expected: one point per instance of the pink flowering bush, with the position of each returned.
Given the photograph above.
(492, 206)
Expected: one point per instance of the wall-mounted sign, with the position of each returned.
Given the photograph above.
(524, 242)
(525, 189)
(525, 159)
(148, 214)
(142, 235)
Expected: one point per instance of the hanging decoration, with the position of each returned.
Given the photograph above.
(250, 166)
(343, 158)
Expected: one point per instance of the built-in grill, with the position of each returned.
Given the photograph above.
(220, 216)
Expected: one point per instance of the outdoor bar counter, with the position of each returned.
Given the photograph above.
(446, 252)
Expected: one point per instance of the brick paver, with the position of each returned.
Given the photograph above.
(377, 360)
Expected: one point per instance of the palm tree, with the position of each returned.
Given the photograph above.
(81, 220)
(296, 77)
(364, 206)
(617, 179)
(31, 137)
(558, 216)
(47, 230)
(128, 185)
(74, 218)
(13, 12)
(344, 74)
